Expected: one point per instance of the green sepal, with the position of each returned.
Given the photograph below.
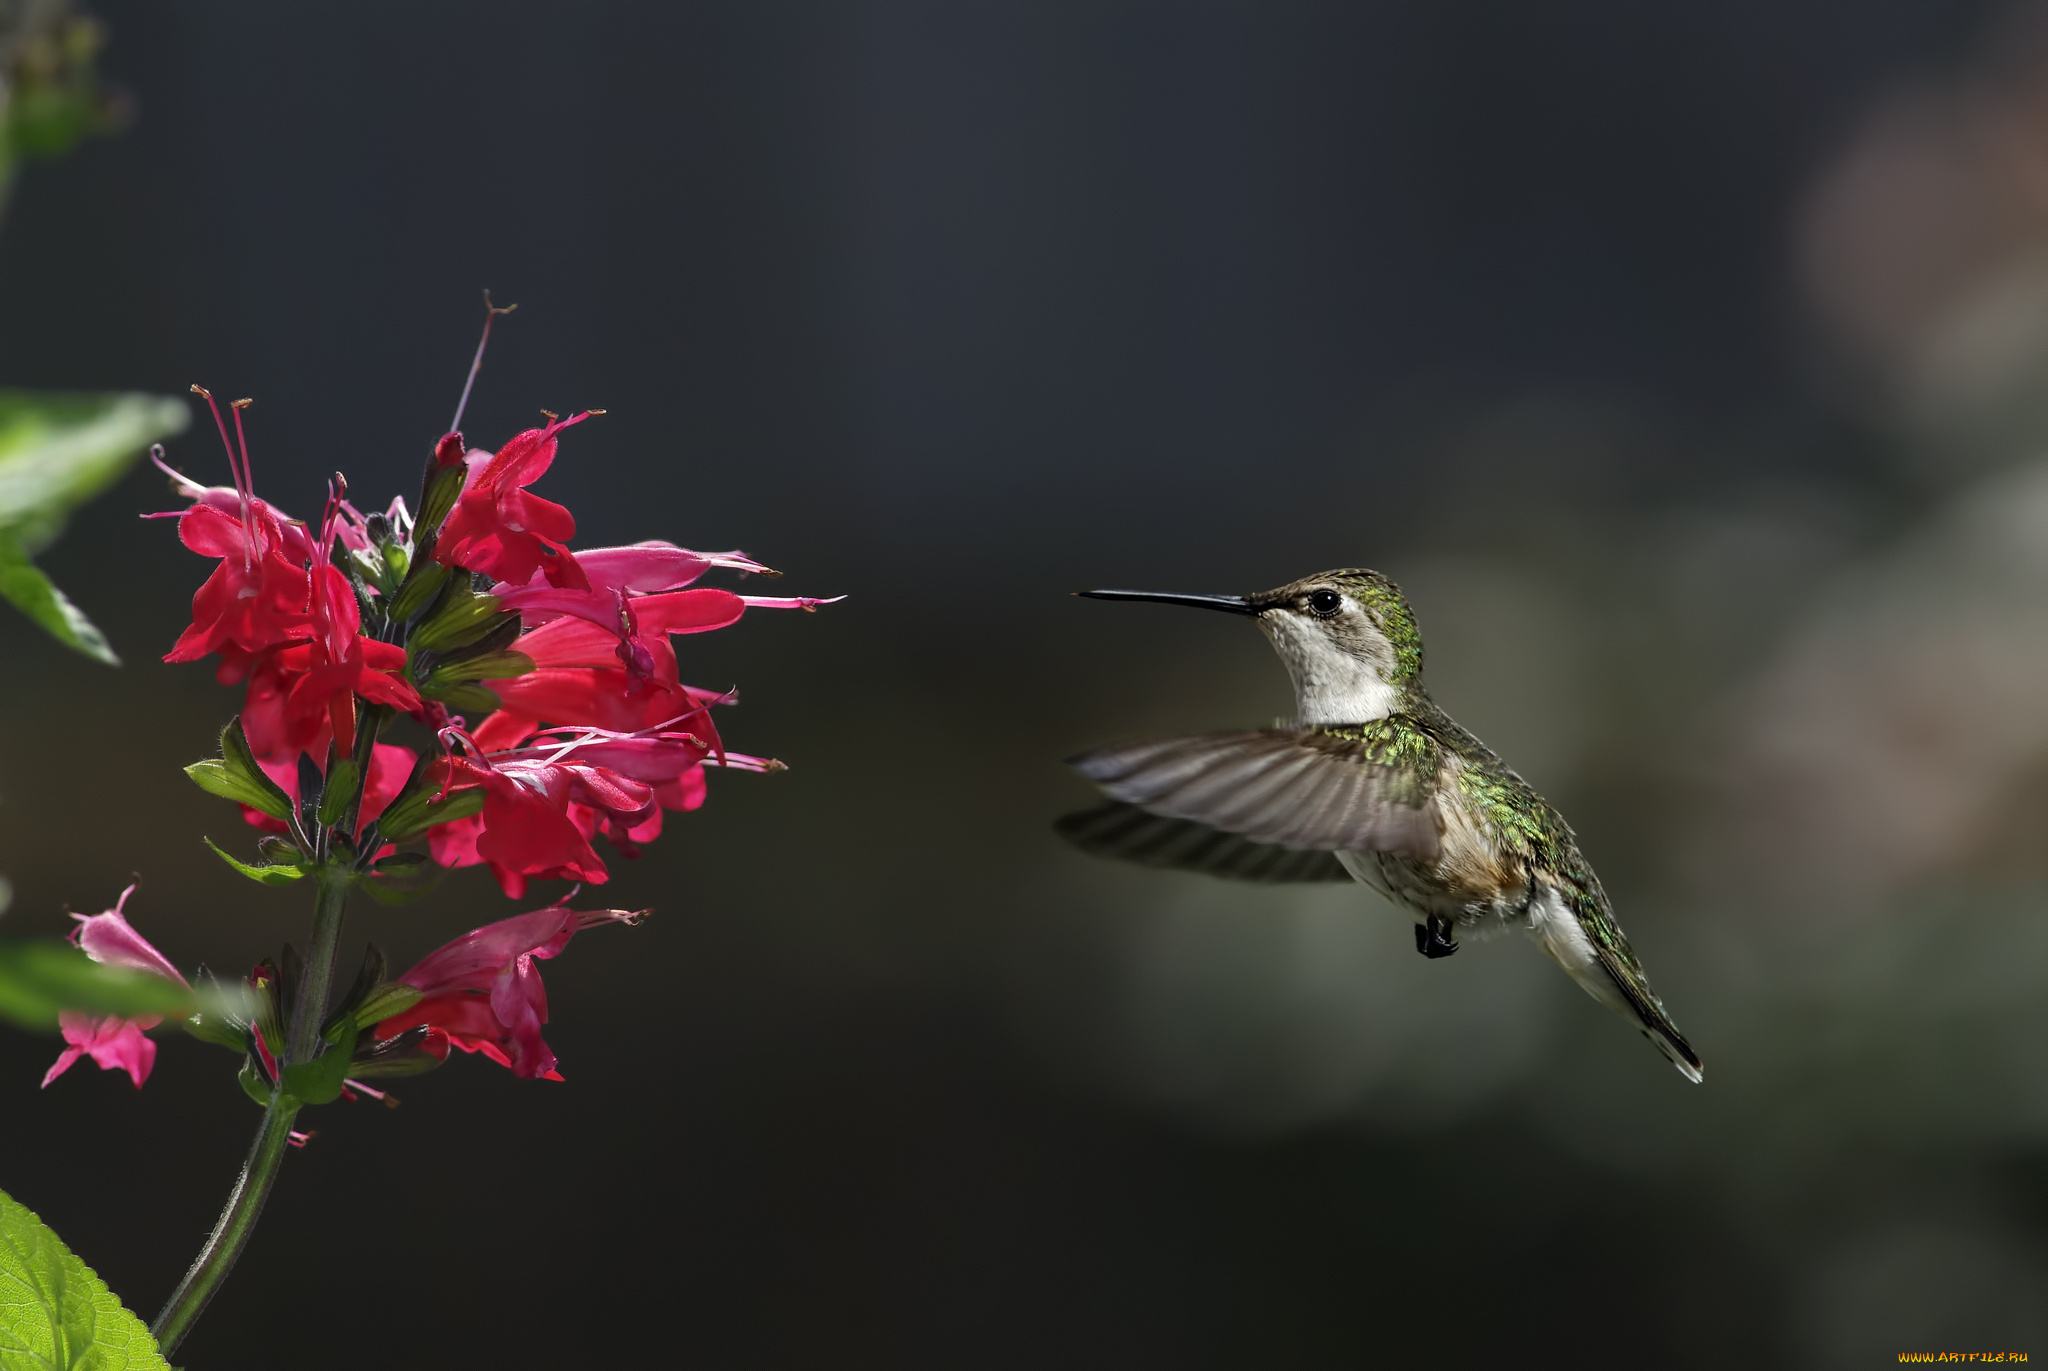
(235, 776)
(467, 699)
(341, 788)
(262, 875)
(319, 1081)
(224, 1012)
(404, 866)
(277, 849)
(418, 812)
(269, 1024)
(437, 497)
(392, 893)
(400, 1055)
(388, 999)
(419, 590)
(489, 666)
(404, 1062)
(396, 564)
(462, 617)
(215, 1029)
(253, 1084)
(41, 978)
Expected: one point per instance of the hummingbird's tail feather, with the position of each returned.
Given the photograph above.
(1609, 972)
(1673, 1045)
(1648, 1011)
(1128, 833)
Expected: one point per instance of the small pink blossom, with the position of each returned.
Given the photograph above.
(116, 1044)
(483, 992)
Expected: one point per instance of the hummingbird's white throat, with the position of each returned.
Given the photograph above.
(1334, 682)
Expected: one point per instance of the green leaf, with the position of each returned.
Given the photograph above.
(319, 1081)
(241, 759)
(253, 1084)
(38, 979)
(57, 451)
(214, 777)
(262, 875)
(36, 595)
(55, 1314)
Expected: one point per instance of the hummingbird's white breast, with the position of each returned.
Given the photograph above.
(1334, 683)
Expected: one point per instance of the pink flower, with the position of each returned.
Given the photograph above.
(339, 664)
(114, 1043)
(483, 992)
(583, 677)
(497, 527)
(617, 576)
(257, 596)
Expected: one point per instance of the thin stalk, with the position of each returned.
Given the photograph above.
(334, 882)
(231, 1234)
(259, 1174)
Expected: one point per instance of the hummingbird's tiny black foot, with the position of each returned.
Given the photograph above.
(1433, 939)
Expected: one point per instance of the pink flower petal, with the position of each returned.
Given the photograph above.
(109, 938)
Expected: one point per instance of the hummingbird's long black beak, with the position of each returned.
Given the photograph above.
(1230, 604)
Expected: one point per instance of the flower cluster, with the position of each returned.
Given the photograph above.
(551, 712)
(546, 709)
(545, 676)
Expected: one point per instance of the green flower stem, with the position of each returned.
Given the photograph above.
(335, 880)
(231, 1234)
(252, 1188)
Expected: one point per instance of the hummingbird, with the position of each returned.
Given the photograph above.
(1374, 783)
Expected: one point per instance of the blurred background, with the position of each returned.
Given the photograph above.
(1688, 366)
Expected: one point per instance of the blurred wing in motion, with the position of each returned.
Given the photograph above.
(1299, 788)
(1129, 834)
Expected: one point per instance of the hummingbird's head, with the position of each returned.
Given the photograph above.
(1348, 638)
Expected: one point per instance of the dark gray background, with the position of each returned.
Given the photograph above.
(954, 309)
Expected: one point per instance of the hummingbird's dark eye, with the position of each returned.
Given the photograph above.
(1324, 603)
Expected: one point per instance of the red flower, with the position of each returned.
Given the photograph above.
(543, 804)
(281, 614)
(497, 527)
(257, 596)
(483, 993)
(339, 664)
(583, 678)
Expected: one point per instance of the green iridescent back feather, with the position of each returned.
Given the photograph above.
(1416, 739)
